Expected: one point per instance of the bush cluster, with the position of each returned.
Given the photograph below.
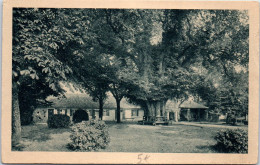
(59, 121)
(79, 116)
(89, 135)
(232, 141)
(231, 119)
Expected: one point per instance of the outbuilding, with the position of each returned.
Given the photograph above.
(192, 111)
(83, 102)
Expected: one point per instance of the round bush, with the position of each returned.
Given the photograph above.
(89, 135)
(231, 119)
(59, 121)
(232, 141)
(79, 116)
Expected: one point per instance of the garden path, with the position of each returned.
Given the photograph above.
(213, 125)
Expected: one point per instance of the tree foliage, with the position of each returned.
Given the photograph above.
(39, 35)
(147, 56)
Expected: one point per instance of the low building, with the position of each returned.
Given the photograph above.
(74, 102)
(192, 111)
(186, 111)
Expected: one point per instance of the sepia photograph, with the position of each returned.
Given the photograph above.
(130, 80)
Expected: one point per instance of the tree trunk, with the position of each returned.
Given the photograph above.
(198, 114)
(157, 108)
(161, 65)
(150, 109)
(101, 109)
(188, 115)
(176, 116)
(163, 111)
(16, 121)
(145, 108)
(118, 117)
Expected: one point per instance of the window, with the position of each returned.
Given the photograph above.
(62, 111)
(93, 113)
(134, 112)
(59, 111)
(107, 112)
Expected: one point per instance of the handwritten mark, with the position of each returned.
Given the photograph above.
(143, 158)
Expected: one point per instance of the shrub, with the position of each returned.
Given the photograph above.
(89, 135)
(59, 121)
(232, 141)
(79, 116)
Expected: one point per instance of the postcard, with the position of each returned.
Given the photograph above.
(130, 82)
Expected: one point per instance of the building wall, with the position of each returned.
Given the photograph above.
(41, 115)
(128, 114)
(140, 115)
(193, 114)
(109, 115)
(133, 114)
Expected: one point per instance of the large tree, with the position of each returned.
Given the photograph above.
(106, 51)
(39, 35)
(33, 93)
(148, 56)
(191, 40)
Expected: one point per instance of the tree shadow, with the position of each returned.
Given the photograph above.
(216, 149)
(210, 148)
(18, 147)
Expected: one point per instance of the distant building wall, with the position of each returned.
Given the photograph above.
(109, 115)
(133, 114)
(41, 115)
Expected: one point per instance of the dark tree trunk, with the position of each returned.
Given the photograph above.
(162, 107)
(118, 116)
(156, 108)
(150, 108)
(101, 109)
(16, 121)
(176, 116)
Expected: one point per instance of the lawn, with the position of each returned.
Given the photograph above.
(162, 139)
(127, 138)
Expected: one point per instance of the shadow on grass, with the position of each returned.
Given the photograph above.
(217, 149)
(40, 133)
(35, 134)
(18, 147)
(208, 148)
(121, 126)
(222, 149)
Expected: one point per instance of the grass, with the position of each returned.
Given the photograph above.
(128, 138)
(163, 139)
(40, 132)
(41, 138)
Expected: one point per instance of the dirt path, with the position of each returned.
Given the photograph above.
(211, 125)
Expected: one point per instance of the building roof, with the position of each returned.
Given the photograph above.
(84, 101)
(171, 106)
(192, 105)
